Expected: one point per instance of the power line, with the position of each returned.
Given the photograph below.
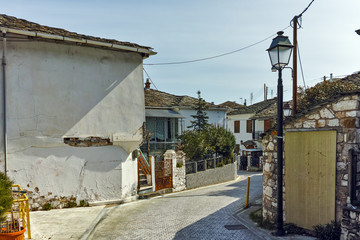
(150, 78)
(305, 9)
(301, 67)
(216, 56)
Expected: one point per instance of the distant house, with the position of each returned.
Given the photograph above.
(74, 112)
(168, 115)
(248, 123)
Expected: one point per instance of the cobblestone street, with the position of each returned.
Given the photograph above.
(195, 214)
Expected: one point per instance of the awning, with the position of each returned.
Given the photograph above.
(165, 113)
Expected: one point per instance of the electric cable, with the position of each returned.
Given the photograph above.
(150, 78)
(301, 67)
(216, 56)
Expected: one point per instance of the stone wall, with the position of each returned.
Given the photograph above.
(342, 116)
(350, 227)
(179, 182)
(211, 176)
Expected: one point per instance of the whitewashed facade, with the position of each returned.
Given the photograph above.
(59, 92)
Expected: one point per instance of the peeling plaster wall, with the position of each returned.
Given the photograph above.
(57, 91)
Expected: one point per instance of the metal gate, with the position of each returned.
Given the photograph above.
(163, 174)
(310, 168)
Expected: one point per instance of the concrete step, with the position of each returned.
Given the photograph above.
(154, 194)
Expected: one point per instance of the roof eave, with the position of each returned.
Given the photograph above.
(145, 51)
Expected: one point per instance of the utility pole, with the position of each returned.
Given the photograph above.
(294, 72)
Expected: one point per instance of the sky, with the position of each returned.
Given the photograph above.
(189, 30)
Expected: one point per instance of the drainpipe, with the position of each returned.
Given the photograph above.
(4, 99)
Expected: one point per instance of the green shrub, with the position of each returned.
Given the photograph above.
(203, 144)
(6, 198)
(83, 203)
(179, 165)
(70, 204)
(47, 207)
(330, 231)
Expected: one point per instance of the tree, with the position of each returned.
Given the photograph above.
(204, 144)
(200, 119)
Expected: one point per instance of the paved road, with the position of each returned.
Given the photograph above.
(194, 214)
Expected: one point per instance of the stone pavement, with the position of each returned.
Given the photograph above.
(213, 212)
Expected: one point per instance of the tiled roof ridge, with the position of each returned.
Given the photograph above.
(179, 100)
(25, 25)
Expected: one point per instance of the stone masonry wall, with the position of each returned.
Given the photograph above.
(341, 116)
(350, 227)
(179, 183)
(211, 176)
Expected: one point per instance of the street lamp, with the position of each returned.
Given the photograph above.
(279, 53)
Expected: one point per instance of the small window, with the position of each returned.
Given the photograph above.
(236, 126)
(249, 126)
(267, 124)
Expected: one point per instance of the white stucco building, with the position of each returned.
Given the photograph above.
(74, 112)
(248, 123)
(168, 115)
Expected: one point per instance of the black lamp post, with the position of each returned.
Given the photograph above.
(279, 53)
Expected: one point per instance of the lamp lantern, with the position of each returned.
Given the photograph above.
(280, 51)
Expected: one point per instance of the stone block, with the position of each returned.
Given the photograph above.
(348, 122)
(326, 113)
(333, 123)
(344, 183)
(270, 146)
(345, 105)
(351, 114)
(320, 123)
(268, 191)
(309, 124)
(313, 116)
(340, 166)
(298, 124)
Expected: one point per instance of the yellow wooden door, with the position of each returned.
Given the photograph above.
(310, 168)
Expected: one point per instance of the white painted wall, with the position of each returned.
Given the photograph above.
(216, 117)
(243, 135)
(56, 91)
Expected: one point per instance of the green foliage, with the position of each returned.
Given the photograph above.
(47, 207)
(70, 204)
(179, 165)
(83, 203)
(6, 198)
(203, 144)
(200, 119)
(330, 231)
(322, 91)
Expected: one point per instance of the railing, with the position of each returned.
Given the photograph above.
(203, 165)
(144, 164)
(20, 210)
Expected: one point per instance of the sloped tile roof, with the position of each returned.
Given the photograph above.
(232, 105)
(253, 109)
(24, 25)
(155, 98)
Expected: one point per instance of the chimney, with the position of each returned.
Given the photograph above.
(147, 84)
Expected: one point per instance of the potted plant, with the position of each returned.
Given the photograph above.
(9, 229)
